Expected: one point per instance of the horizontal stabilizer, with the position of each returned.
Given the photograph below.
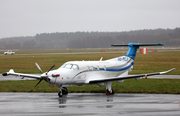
(139, 44)
(134, 46)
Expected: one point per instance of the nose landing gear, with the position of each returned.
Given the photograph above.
(62, 91)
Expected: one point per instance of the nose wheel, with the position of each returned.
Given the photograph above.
(62, 91)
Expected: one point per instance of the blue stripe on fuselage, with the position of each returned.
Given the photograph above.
(116, 70)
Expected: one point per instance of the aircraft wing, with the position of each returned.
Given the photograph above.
(11, 72)
(106, 79)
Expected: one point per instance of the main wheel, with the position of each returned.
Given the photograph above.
(109, 93)
(60, 93)
(64, 91)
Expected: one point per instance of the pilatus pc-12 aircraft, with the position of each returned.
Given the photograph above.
(92, 72)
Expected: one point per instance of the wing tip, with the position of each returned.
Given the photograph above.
(168, 71)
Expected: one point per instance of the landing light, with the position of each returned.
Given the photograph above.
(55, 75)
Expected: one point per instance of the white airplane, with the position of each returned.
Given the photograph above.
(92, 72)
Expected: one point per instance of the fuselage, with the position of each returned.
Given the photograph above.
(78, 72)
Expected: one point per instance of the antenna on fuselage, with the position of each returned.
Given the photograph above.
(101, 59)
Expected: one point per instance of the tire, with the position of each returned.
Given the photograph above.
(112, 92)
(65, 91)
(108, 92)
(60, 94)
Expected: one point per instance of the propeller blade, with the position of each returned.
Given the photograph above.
(51, 86)
(39, 82)
(39, 67)
(50, 68)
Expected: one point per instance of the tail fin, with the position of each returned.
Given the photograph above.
(134, 46)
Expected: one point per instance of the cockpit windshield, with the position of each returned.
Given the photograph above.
(70, 66)
(63, 66)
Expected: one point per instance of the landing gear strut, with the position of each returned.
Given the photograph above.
(109, 90)
(62, 91)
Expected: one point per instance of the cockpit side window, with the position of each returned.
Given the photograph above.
(75, 67)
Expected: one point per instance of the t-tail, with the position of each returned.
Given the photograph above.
(134, 46)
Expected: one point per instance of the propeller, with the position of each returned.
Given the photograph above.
(39, 82)
(50, 69)
(39, 68)
(44, 75)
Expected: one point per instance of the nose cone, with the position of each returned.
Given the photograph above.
(44, 76)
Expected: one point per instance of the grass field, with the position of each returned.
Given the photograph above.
(151, 62)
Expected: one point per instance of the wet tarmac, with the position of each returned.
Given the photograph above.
(89, 104)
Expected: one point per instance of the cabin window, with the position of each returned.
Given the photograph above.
(104, 67)
(91, 68)
(88, 67)
(97, 67)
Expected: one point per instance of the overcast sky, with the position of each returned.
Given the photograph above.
(29, 17)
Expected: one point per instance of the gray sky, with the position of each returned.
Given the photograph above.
(29, 17)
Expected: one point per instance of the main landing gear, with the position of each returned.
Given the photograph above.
(109, 90)
(62, 91)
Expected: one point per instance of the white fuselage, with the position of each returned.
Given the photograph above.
(79, 72)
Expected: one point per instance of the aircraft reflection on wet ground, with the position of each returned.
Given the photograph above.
(82, 99)
(95, 104)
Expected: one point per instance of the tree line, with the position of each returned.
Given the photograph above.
(169, 37)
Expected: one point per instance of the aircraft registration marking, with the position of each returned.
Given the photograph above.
(123, 59)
